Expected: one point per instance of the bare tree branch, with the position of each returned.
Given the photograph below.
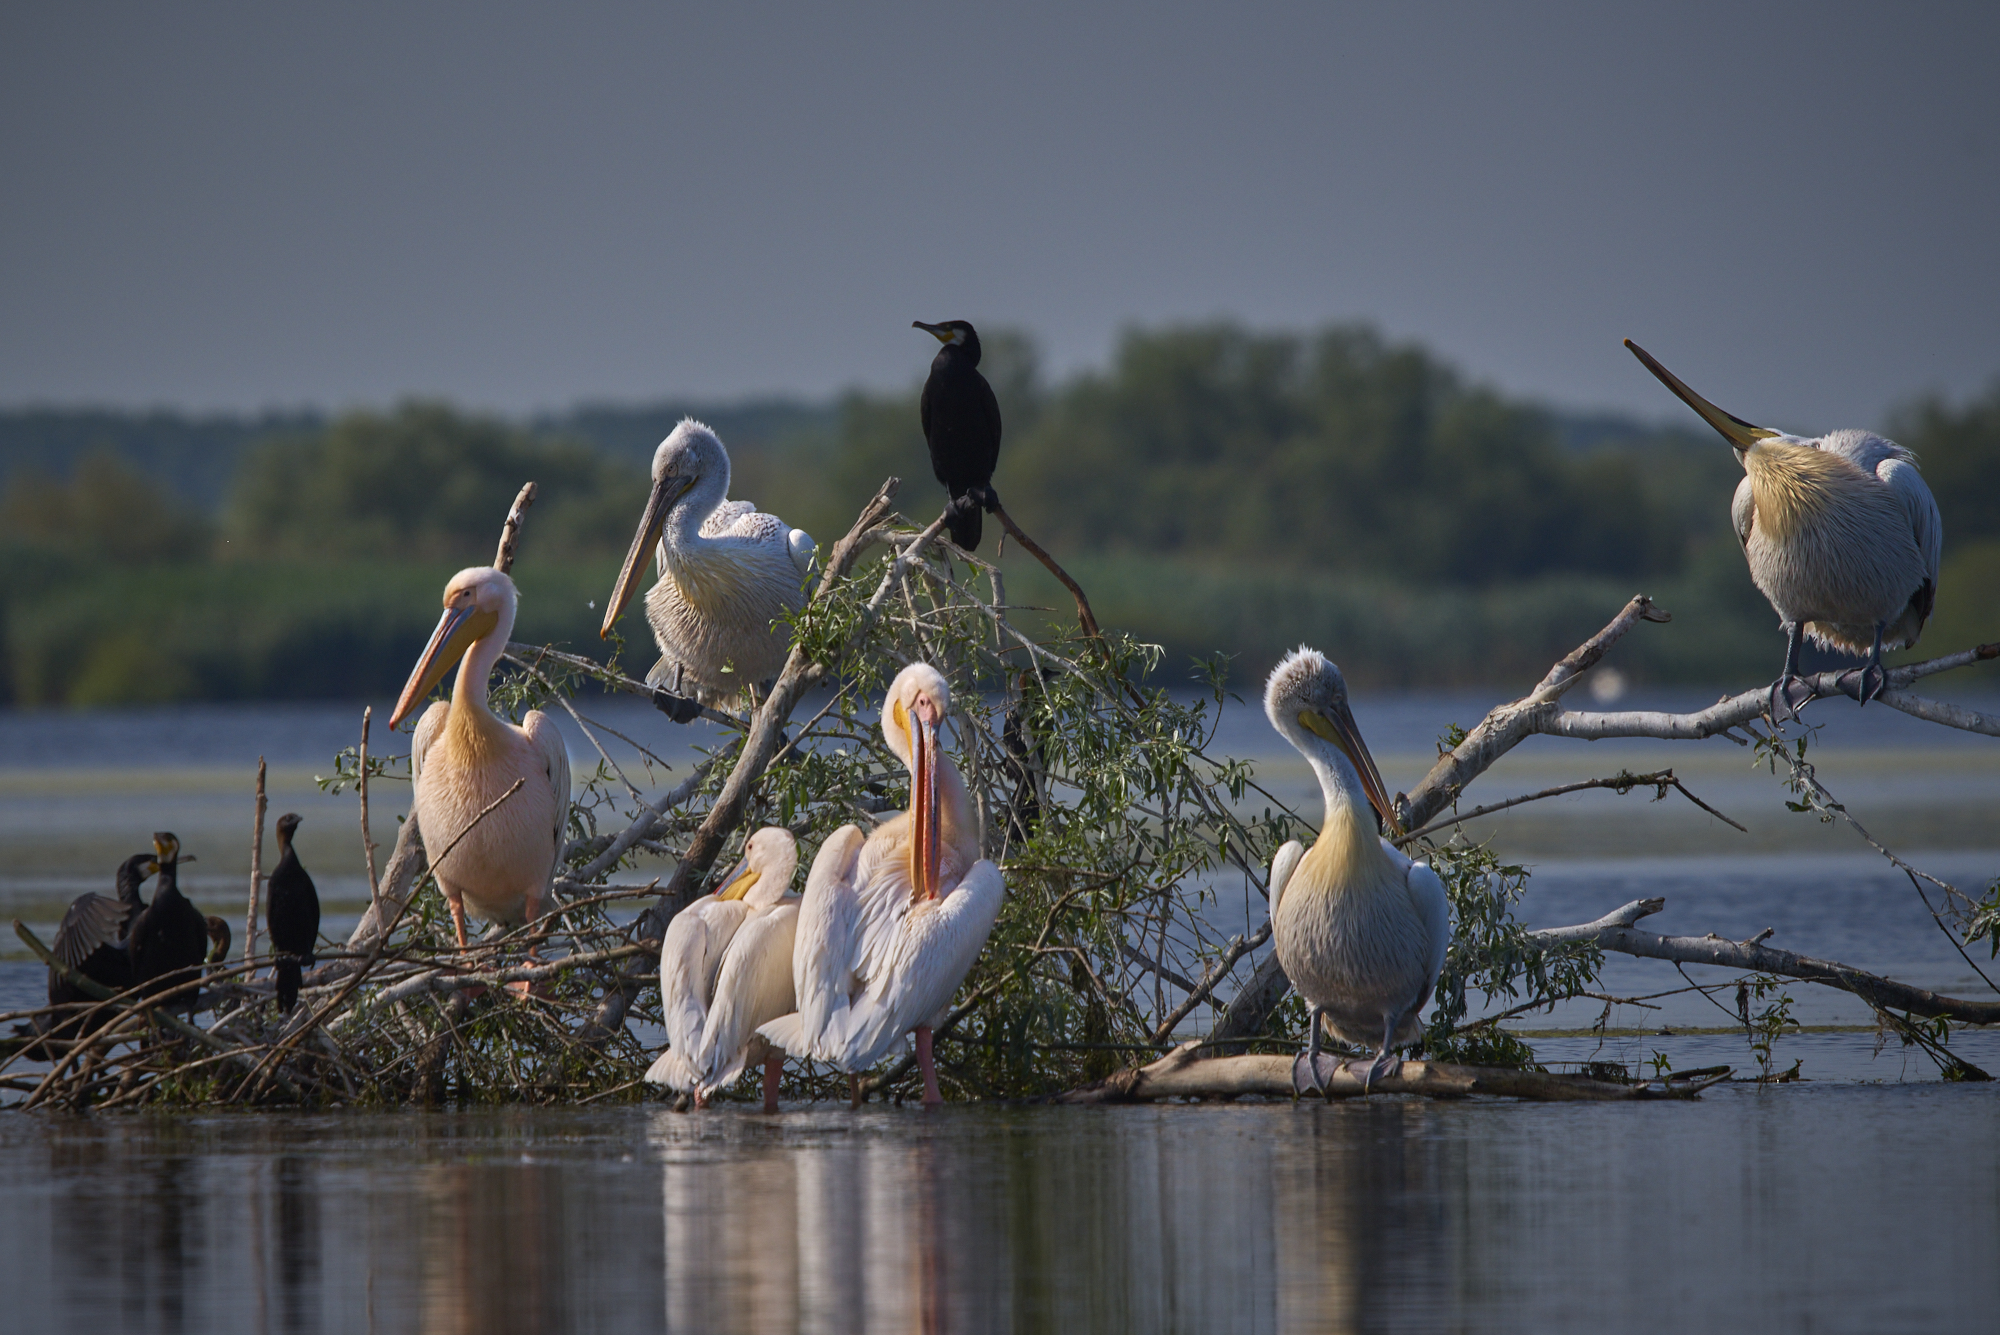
(1622, 783)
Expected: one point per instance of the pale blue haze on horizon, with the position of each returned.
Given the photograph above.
(233, 206)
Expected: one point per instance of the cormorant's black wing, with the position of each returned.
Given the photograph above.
(92, 921)
(924, 405)
(989, 438)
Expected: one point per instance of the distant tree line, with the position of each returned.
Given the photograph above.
(1230, 489)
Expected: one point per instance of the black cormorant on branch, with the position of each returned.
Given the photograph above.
(92, 937)
(293, 916)
(962, 427)
(171, 934)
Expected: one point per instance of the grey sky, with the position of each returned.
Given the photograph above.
(520, 206)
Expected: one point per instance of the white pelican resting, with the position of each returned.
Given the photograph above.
(1841, 535)
(464, 759)
(892, 922)
(1359, 927)
(725, 968)
(726, 574)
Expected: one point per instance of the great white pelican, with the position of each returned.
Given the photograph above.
(1841, 535)
(892, 921)
(727, 574)
(464, 759)
(1360, 928)
(725, 968)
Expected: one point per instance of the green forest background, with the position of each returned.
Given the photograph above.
(1214, 489)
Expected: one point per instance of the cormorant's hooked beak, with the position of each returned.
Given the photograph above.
(457, 630)
(926, 846)
(942, 333)
(1739, 433)
(665, 492)
(167, 853)
(741, 878)
(1339, 728)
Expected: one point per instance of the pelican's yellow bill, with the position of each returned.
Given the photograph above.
(457, 630)
(665, 492)
(1340, 729)
(1734, 429)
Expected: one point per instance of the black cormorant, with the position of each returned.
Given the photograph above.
(92, 937)
(171, 934)
(962, 426)
(293, 917)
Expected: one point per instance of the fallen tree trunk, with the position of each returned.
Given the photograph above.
(1180, 1074)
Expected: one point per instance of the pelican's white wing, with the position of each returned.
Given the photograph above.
(754, 987)
(823, 951)
(1434, 912)
(1742, 511)
(690, 955)
(1282, 867)
(928, 960)
(1925, 524)
(428, 728)
(804, 551)
(542, 731)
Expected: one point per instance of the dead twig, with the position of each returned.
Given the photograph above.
(1621, 783)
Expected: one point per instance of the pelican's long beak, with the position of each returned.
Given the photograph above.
(741, 878)
(457, 630)
(1739, 433)
(1339, 728)
(937, 331)
(665, 492)
(927, 846)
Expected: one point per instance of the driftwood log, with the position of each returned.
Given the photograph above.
(1182, 1074)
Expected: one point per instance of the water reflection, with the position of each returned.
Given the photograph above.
(1833, 1208)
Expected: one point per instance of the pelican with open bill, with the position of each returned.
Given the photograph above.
(1841, 535)
(1359, 927)
(464, 760)
(729, 576)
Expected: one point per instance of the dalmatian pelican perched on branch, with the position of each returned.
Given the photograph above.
(464, 759)
(727, 573)
(725, 968)
(1360, 929)
(1841, 535)
(892, 921)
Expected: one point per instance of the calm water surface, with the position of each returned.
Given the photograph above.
(1830, 1208)
(1867, 1200)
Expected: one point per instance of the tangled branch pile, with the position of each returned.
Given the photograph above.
(1134, 855)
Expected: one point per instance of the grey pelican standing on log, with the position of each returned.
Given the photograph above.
(1360, 929)
(463, 760)
(727, 574)
(725, 968)
(893, 921)
(1841, 535)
